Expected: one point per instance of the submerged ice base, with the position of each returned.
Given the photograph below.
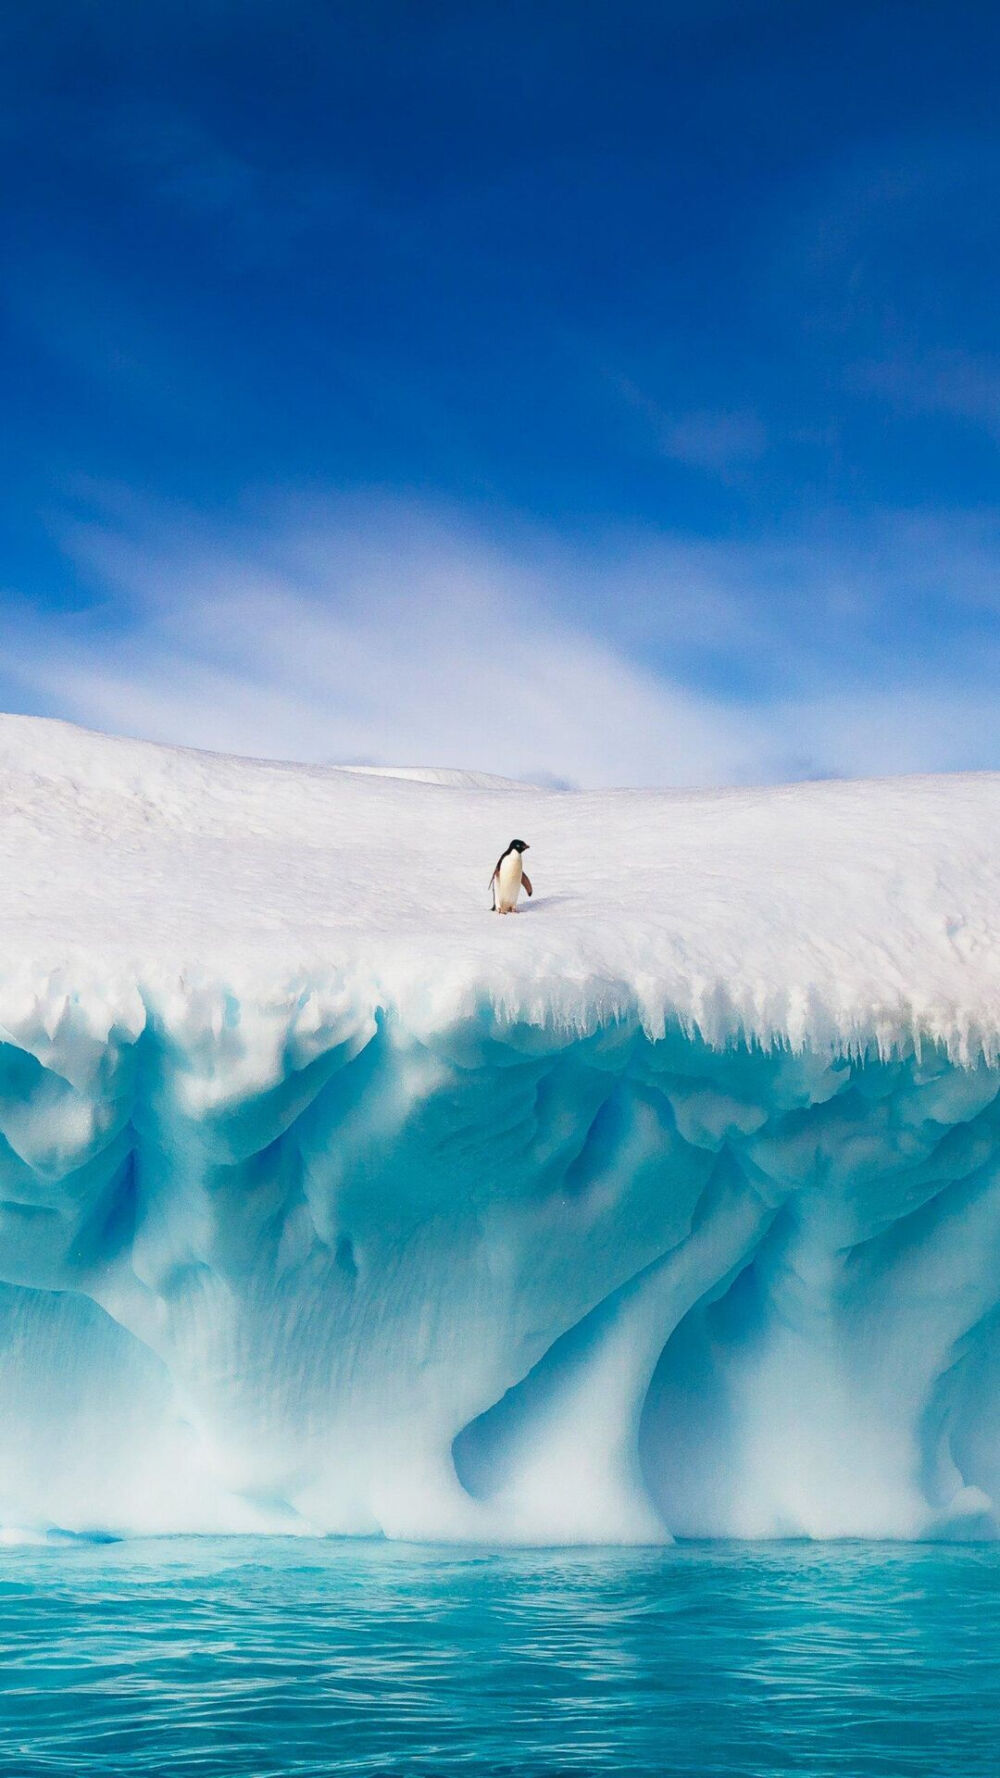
(330, 1203)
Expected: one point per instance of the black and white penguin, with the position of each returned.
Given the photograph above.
(508, 877)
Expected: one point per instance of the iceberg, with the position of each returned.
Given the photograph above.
(330, 1203)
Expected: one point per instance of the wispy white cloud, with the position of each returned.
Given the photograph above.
(405, 643)
(721, 441)
(378, 631)
(711, 440)
(962, 385)
(259, 211)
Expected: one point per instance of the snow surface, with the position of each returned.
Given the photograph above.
(329, 1201)
(827, 913)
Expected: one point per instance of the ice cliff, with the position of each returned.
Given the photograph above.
(331, 1202)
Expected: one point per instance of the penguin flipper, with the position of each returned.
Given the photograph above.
(526, 882)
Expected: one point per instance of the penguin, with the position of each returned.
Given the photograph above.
(508, 877)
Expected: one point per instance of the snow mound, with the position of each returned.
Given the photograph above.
(446, 775)
(328, 1201)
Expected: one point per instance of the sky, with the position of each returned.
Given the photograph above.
(593, 393)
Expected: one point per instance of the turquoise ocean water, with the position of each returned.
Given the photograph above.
(218, 1658)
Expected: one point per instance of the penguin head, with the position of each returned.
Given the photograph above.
(518, 846)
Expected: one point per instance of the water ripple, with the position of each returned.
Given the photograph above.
(219, 1659)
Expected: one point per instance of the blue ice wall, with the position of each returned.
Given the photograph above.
(499, 1282)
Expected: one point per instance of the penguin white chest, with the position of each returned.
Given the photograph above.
(508, 884)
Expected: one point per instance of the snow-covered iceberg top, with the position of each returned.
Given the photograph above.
(830, 915)
(330, 1202)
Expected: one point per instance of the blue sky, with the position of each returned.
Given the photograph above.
(598, 392)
